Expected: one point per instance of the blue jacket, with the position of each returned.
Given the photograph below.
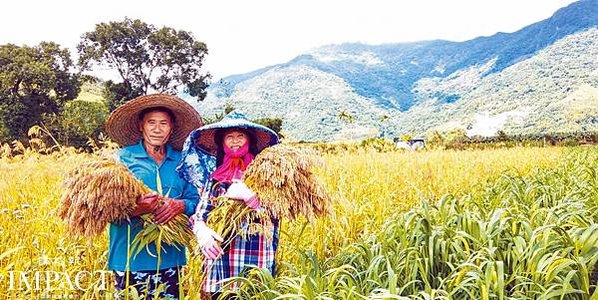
(173, 186)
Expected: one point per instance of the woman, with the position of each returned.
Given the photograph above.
(151, 130)
(214, 159)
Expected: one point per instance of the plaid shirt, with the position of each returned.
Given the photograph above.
(252, 251)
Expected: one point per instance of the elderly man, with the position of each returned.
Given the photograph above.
(152, 130)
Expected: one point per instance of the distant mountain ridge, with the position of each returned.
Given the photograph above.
(414, 87)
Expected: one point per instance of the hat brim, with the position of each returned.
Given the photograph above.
(123, 123)
(204, 137)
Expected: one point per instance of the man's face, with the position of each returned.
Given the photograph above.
(156, 128)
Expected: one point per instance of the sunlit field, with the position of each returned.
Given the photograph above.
(515, 223)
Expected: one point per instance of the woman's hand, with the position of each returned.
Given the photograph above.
(206, 238)
(238, 190)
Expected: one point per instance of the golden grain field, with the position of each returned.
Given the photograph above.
(380, 201)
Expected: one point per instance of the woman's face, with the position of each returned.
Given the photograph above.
(235, 139)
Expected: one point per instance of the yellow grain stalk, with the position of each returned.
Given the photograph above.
(282, 178)
(104, 191)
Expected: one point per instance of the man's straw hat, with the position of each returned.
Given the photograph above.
(123, 123)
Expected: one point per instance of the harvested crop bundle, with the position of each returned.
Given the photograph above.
(282, 178)
(104, 191)
(97, 193)
(231, 218)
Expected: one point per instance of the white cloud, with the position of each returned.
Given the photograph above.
(487, 125)
(365, 58)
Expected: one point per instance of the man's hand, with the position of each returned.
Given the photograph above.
(146, 204)
(169, 209)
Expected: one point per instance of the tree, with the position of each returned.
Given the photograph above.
(146, 58)
(82, 120)
(434, 139)
(273, 123)
(116, 94)
(501, 136)
(345, 116)
(34, 81)
(455, 139)
(228, 107)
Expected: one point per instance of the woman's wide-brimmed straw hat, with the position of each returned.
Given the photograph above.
(123, 123)
(204, 136)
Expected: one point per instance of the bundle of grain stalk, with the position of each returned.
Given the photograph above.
(231, 218)
(283, 180)
(104, 191)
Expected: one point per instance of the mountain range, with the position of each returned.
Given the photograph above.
(542, 78)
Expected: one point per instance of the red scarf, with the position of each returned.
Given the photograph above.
(234, 164)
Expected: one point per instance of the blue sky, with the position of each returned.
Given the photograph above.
(246, 35)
